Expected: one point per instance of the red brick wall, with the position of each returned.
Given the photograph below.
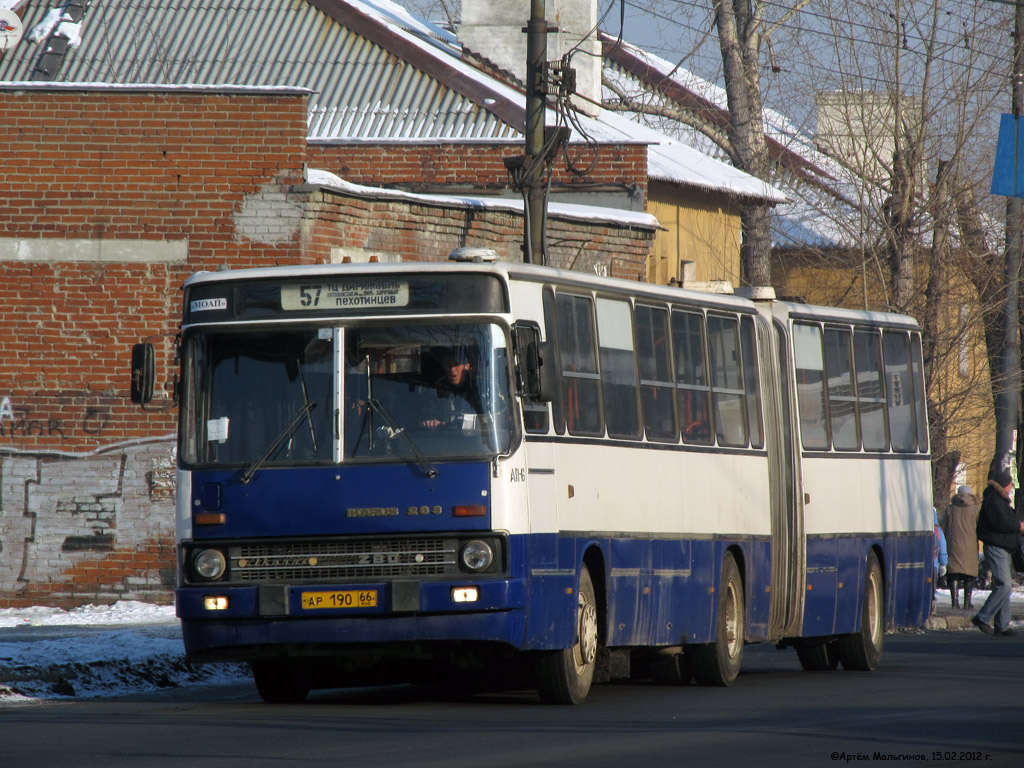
(424, 163)
(430, 233)
(177, 166)
(85, 478)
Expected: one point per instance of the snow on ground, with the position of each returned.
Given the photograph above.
(123, 613)
(97, 651)
(132, 647)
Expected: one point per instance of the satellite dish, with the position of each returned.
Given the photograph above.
(11, 29)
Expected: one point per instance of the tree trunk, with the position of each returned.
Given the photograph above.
(936, 295)
(899, 231)
(739, 36)
(984, 268)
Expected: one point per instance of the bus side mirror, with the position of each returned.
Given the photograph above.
(540, 370)
(143, 373)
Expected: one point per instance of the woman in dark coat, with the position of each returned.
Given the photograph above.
(962, 544)
(998, 529)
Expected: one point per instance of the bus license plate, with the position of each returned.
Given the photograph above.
(361, 598)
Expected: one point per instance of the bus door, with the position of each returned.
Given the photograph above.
(546, 577)
(788, 546)
(535, 388)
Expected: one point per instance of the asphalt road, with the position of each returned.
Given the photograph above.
(939, 698)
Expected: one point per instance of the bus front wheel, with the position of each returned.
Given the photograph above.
(565, 676)
(862, 651)
(718, 663)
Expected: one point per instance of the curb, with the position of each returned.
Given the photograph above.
(949, 622)
(946, 621)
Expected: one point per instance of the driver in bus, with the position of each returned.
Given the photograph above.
(460, 406)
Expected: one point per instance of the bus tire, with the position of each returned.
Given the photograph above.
(565, 676)
(862, 651)
(718, 663)
(819, 656)
(278, 682)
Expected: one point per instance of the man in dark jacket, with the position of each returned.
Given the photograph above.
(998, 529)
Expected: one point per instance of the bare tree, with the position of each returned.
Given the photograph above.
(741, 31)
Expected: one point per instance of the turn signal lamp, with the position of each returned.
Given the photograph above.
(211, 518)
(465, 594)
(469, 510)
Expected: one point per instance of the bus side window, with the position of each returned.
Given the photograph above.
(693, 394)
(920, 397)
(899, 382)
(751, 381)
(551, 325)
(726, 384)
(842, 399)
(652, 346)
(527, 343)
(577, 352)
(618, 368)
(810, 386)
(867, 356)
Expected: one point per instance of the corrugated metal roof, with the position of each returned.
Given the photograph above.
(363, 90)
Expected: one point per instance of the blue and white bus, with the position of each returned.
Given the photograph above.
(391, 470)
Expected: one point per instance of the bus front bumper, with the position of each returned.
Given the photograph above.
(241, 623)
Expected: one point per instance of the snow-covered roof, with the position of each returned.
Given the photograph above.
(555, 210)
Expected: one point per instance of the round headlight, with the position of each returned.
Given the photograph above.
(477, 555)
(209, 564)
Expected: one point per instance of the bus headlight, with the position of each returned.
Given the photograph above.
(209, 564)
(477, 555)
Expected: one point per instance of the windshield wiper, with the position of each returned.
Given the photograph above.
(420, 458)
(306, 402)
(285, 433)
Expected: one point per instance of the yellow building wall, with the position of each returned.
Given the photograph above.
(700, 228)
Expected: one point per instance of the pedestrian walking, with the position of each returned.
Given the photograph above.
(962, 544)
(939, 556)
(998, 530)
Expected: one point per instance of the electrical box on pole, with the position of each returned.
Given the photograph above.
(531, 170)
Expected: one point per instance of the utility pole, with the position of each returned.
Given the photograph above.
(529, 171)
(534, 209)
(1007, 411)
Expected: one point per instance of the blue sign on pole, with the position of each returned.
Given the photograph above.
(1008, 174)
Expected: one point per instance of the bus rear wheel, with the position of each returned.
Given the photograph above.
(565, 676)
(279, 682)
(718, 663)
(862, 651)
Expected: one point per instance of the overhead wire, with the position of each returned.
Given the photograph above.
(861, 37)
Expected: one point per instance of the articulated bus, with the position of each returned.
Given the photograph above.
(393, 471)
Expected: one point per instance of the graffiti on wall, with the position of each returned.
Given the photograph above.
(19, 422)
(61, 516)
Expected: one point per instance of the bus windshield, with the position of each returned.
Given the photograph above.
(405, 393)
